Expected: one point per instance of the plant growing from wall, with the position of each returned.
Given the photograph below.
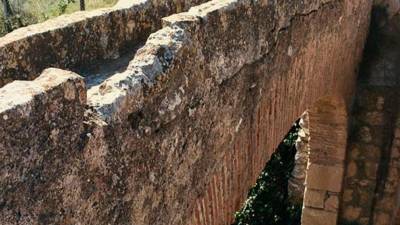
(267, 202)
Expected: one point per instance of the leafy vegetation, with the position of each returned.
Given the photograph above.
(267, 202)
(26, 12)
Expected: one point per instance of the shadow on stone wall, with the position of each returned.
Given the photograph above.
(371, 181)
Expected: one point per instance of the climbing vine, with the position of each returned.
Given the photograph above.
(267, 202)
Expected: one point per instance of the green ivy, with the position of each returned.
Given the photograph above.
(267, 202)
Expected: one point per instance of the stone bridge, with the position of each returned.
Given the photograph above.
(165, 112)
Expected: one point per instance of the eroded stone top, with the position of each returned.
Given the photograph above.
(19, 96)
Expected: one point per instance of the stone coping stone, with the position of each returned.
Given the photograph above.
(123, 93)
(18, 98)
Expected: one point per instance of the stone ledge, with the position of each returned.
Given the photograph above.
(20, 96)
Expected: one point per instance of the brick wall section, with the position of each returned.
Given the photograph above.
(247, 159)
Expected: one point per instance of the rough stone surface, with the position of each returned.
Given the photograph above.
(318, 217)
(352, 213)
(325, 166)
(298, 176)
(180, 135)
(315, 198)
(36, 120)
(332, 203)
(392, 6)
(82, 39)
(324, 177)
(372, 178)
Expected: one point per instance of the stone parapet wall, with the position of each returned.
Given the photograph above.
(40, 123)
(82, 39)
(200, 33)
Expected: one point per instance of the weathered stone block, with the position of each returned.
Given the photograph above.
(318, 217)
(332, 203)
(371, 169)
(365, 197)
(322, 177)
(352, 213)
(354, 152)
(382, 218)
(351, 169)
(348, 195)
(374, 118)
(364, 134)
(371, 152)
(314, 198)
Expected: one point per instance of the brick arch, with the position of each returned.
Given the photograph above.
(325, 168)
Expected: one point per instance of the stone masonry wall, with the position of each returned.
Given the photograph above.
(365, 153)
(82, 39)
(35, 130)
(325, 168)
(371, 177)
(181, 134)
(387, 197)
(387, 204)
